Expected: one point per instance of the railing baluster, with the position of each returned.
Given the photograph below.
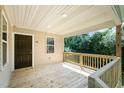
(93, 62)
(97, 62)
(103, 62)
(81, 61)
(84, 60)
(107, 78)
(117, 71)
(114, 75)
(90, 61)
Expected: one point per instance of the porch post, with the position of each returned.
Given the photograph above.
(81, 61)
(118, 50)
(118, 40)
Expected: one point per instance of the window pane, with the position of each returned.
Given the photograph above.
(4, 53)
(50, 49)
(50, 41)
(5, 36)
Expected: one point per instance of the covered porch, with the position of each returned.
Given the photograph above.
(59, 68)
(77, 71)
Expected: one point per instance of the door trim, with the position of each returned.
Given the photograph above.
(13, 48)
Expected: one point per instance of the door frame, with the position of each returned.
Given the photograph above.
(13, 48)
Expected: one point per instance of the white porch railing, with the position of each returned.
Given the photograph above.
(92, 61)
(107, 76)
(108, 68)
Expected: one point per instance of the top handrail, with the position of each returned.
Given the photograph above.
(98, 55)
(105, 68)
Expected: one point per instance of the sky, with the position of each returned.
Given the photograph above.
(102, 30)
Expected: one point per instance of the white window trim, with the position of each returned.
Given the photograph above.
(2, 67)
(50, 44)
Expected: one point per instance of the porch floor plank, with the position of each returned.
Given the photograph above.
(48, 76)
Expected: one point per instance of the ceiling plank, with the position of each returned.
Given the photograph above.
(39, 17)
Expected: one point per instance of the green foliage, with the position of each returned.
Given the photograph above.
(95, 43)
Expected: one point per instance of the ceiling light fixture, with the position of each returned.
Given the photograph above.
(48, 26)
(64, 15)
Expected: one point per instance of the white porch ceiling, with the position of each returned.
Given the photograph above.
(48, 18)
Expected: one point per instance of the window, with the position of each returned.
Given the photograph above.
(50, 45)
(4, 53)
(3, 40)
(4, 36)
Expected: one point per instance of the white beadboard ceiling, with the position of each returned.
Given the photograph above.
(48, 18)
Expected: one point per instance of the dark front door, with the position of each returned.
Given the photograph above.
(23, 51)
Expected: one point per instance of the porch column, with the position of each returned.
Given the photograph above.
(118, 50)
(118, 41)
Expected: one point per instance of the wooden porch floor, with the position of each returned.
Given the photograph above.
(50, 76)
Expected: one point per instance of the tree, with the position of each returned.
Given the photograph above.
(95, 43)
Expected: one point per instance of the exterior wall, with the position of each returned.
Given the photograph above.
(5, 74)
(40, 49)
